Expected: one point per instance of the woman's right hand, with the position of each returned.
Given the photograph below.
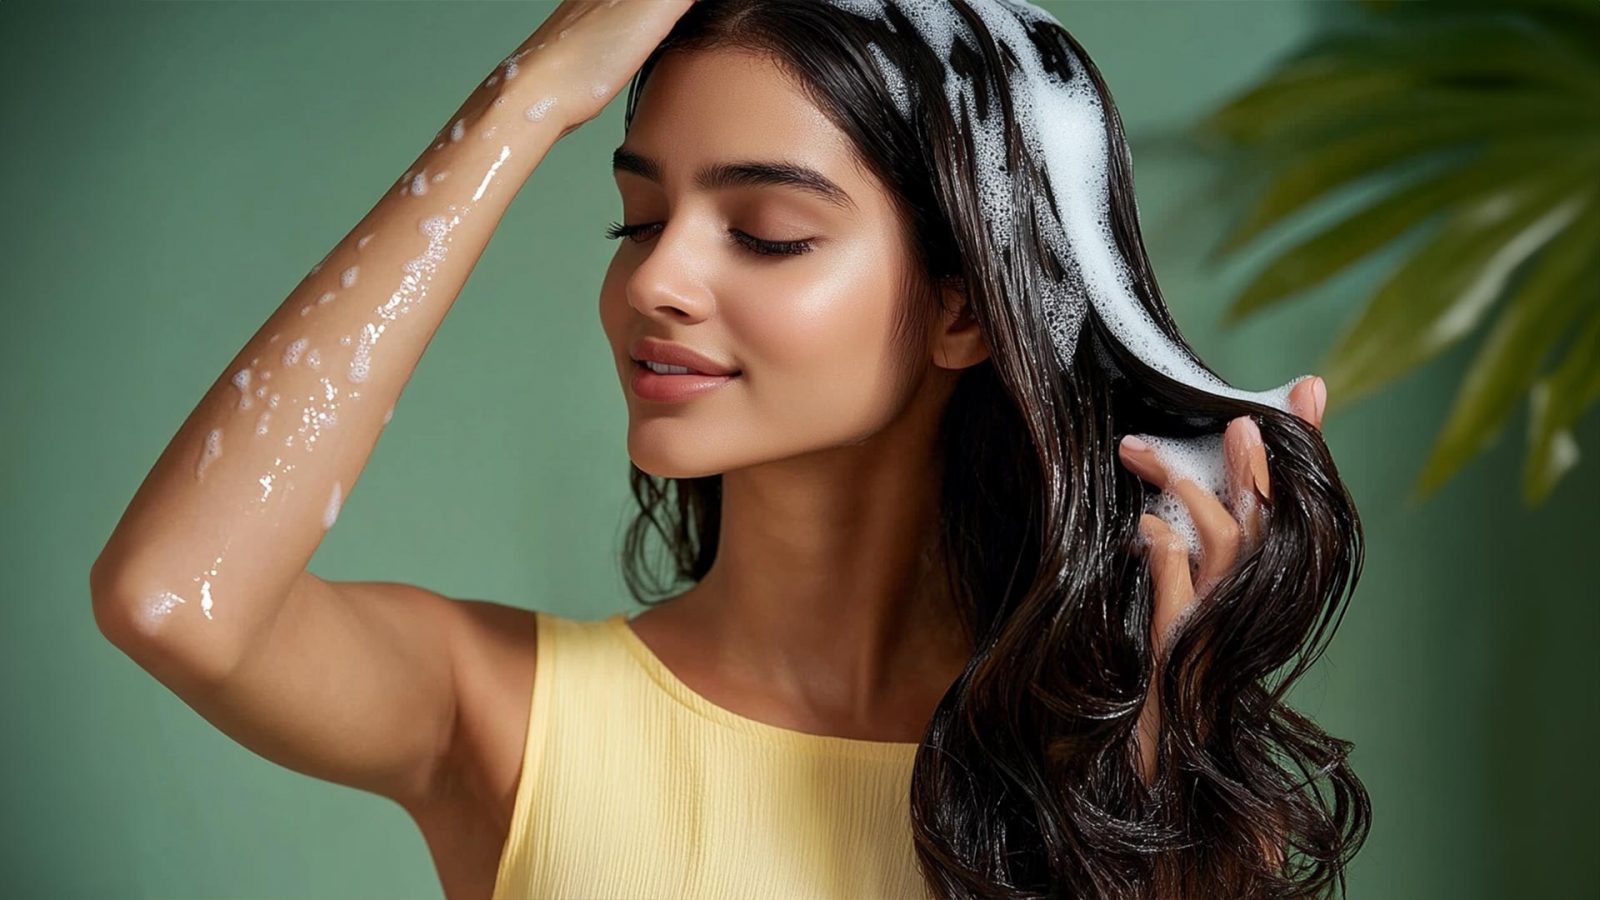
(586, 52)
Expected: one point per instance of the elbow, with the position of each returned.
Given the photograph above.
(109, 600)
(154, 629)
(111, 593)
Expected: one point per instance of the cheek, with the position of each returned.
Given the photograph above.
(820, 339)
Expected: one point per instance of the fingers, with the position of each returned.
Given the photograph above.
(1219, 533)
(1230, 526)
(1248, 483)
(1174, 595)
(1169, 567)
(1309, 399)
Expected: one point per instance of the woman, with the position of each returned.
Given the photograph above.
(895, 247)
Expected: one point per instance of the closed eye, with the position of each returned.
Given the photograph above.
(749, 242)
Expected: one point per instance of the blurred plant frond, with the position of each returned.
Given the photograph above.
(1493, 109)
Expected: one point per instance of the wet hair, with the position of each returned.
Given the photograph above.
(1026, 782)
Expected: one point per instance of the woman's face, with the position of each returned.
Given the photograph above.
(810, 333)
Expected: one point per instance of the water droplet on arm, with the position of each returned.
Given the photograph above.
(331, 513)
(209, 453)
(241, 380)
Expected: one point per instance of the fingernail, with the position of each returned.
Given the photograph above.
(1258, 459)
(1135, 444)
(1319, 394)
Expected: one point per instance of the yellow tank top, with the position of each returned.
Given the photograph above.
(633, 785)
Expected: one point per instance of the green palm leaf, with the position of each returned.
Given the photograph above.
(1440, 294)
(1315, 162)
(1349, 75)
(1542, 310)
(1558, 401)
(1483, 117)
(1315, 260)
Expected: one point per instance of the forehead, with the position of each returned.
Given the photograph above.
(711, 106)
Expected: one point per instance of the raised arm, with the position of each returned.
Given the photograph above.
(203, 582)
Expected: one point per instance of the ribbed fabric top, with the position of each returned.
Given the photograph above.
(633, 785)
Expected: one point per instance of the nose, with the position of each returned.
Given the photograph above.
(667, 283)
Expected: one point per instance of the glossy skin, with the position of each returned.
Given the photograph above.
(818, 612)
(387, 687)
(816, 617)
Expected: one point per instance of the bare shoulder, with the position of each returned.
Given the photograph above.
(493, 654)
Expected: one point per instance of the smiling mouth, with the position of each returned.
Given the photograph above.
(650, 385)
(679, 371)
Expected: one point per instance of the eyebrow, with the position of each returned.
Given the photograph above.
(749, 173)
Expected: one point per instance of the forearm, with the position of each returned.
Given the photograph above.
(245, 491)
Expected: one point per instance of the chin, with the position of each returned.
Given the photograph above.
(664, 455)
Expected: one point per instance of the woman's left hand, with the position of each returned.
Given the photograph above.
(1223, 537)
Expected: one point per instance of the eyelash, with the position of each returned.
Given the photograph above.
(750, 242)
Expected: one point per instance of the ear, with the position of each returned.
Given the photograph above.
(957, 341)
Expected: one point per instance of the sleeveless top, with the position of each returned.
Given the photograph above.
(633, 785)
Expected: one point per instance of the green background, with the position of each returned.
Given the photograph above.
(173, 170)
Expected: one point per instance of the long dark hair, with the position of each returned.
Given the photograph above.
(1026, 783)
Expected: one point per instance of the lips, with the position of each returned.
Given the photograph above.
(648, 385)
(660, 351)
